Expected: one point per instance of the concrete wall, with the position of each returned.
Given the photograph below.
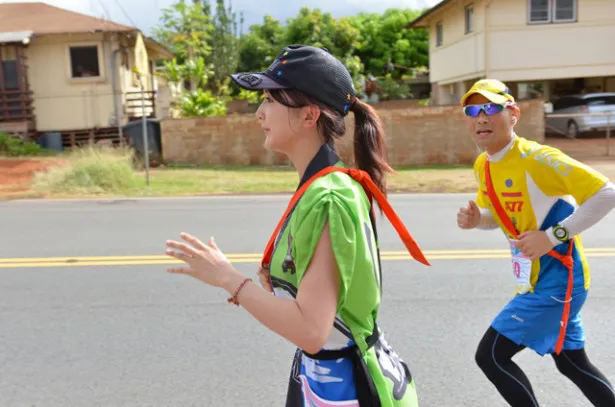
(416, 136)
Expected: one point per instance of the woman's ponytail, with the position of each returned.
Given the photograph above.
(369, 144)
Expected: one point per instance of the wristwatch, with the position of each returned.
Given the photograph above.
(561, 233)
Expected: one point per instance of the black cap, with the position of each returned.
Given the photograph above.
(309, 69)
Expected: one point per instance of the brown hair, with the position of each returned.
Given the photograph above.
(369, 137)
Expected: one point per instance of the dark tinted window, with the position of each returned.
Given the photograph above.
(600, 100)
(84, 61)
(566, 102)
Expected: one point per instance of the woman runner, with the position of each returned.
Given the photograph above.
(322, 261)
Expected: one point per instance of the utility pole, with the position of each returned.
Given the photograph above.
(144, 129)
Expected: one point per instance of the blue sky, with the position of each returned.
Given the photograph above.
(144, 14)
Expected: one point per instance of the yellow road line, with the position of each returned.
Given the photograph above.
(89, 261)
(491, 251)
(250, 256)
(103, 258)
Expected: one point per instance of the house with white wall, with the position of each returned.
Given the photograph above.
(540, 48)
(73, 74)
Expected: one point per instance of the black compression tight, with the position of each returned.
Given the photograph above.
(494, 357)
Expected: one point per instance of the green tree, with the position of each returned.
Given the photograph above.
(225, 48)
(210, 47)
(205, 49)
(339, 36)
(384, 42)
(312, 27)
(259, 47)
(186, 30)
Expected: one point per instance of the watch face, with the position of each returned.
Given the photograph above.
(560, 233)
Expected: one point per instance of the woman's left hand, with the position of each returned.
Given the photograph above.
(205, 261)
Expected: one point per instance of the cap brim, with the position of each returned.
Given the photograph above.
(493, 97)
(256, 81)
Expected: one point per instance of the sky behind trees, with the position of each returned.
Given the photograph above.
(145, 14)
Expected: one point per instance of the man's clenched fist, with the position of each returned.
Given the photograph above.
(468, 216)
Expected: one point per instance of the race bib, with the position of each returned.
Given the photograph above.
(522, 268)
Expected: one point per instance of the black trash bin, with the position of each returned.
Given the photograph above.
(51, 141)
(134, 131)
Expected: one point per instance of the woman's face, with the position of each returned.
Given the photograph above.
(278, 123)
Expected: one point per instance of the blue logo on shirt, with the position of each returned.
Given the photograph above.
(509, 183)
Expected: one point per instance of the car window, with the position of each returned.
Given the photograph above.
(600, 101)
(565, 103)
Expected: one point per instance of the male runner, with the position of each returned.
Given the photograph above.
(542, 200)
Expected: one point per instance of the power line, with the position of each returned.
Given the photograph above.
(125, 13)
(93, 8)
(105, 9)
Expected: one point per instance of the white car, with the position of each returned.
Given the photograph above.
(577, 105)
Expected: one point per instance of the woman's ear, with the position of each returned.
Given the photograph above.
(310, 116)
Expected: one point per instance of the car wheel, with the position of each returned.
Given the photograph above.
(573, 129)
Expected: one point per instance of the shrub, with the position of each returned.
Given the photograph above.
(394, 90)
(14, 147)
(90, 170)
(201, 103)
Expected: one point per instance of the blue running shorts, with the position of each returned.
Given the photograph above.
(533, 320)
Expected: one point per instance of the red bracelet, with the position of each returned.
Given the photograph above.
(233, 299)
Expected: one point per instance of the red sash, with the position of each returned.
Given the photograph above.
(565, 259)
(372, 191)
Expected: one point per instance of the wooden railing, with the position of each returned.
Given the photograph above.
(134, 104)
(16, 105)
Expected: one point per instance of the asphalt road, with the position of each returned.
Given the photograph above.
(104, 330)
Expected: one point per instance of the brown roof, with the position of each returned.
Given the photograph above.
(43, 18)
(157, 48)
(420, 22)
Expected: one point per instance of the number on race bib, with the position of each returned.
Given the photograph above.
(522, 268)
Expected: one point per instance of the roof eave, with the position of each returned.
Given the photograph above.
(92, 31)
(421, 21)
(9, 37)
(160, 50)
(419, 24)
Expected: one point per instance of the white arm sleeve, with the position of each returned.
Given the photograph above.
(487, 221)
(588, 214)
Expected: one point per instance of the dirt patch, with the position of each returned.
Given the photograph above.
(597, 152)
(605, 165)
(585, 148)
(16, 173)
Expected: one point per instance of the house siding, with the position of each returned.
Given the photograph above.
(521, 51)
(505, 46)
(461, 55)
(62, 103)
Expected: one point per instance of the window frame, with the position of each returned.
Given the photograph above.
(552, 13)
(439, 33)
(101, 62)
(468, 17)
(575, 12)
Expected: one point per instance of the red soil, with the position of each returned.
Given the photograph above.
(16, 173)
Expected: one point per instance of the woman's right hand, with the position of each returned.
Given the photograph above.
(263, 277)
